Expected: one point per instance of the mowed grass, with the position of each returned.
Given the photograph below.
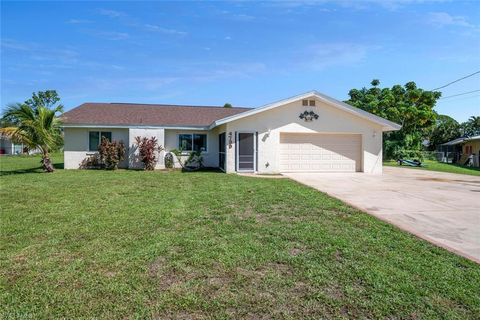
(132, 244)
(439, 166)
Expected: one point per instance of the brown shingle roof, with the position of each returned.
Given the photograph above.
(146, 114)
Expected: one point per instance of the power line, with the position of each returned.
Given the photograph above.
(460, 98)
(467, 76)
(460, 94)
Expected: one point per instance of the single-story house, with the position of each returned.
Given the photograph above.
(310, 132)
(461, 150)
(7, 146)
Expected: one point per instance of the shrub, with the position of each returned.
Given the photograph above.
(148, 149)
(193, 162)
(111, 153)
(91, 162)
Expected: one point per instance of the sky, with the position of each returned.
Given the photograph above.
(242, 52)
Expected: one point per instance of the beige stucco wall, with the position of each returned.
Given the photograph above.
(475, 144)
(76, 145)
(133, 160)
(210, 157)
(269, 124)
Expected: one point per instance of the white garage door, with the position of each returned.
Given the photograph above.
(320, 152)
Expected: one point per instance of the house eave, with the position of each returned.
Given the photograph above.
(133, 126)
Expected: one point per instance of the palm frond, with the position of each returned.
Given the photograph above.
(17, 136)
(37, 127)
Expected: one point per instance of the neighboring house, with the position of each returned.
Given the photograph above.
(308, 132)
(461, 150)
(7, 146)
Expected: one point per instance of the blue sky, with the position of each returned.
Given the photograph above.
(245, 53)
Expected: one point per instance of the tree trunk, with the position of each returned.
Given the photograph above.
(47, 163)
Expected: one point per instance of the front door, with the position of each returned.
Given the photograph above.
(246, 151)
(221, 151)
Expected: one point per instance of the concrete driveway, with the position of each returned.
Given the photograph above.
(442, 208)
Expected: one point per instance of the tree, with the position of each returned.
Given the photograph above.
(471, 127)
(35, 123)
(227, 105)
(407, 105)
(445, 129)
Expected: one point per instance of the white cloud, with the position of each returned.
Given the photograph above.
(228, 70)
(112, 35)
(15, 45)
(442, 19)
(39, 52)
(350, 4)
(326, 55)
(78, 21)
(228, 38)
(111, 13)
(155, 28)
(243, 17)
(122, 84)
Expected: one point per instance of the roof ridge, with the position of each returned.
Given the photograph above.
(164, 105)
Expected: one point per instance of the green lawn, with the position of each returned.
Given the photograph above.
(133, 244)
(439, 166)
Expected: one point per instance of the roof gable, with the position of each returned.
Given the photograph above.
(386, 124)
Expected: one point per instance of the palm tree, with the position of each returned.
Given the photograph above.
(38, 127)
(471, 127)
(475, 121)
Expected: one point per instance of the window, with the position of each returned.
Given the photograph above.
(200, 142)
(185, 142)
(305, 103)
(192, 142)
(311, 103)
(94, 139)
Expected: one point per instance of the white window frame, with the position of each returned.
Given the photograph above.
(192, 134)
(237, 143)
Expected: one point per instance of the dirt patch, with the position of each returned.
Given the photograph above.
(250, 213)
(110, 274)
(180, 315)
(20, 258)
(166, 277)
(270, 290)
(338, 255)
(295, 251)
(157, 265)
(334, 292)
(279, 268)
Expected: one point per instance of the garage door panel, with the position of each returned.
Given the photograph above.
(320, 152)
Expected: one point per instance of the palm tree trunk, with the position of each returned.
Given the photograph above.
(47, 163)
